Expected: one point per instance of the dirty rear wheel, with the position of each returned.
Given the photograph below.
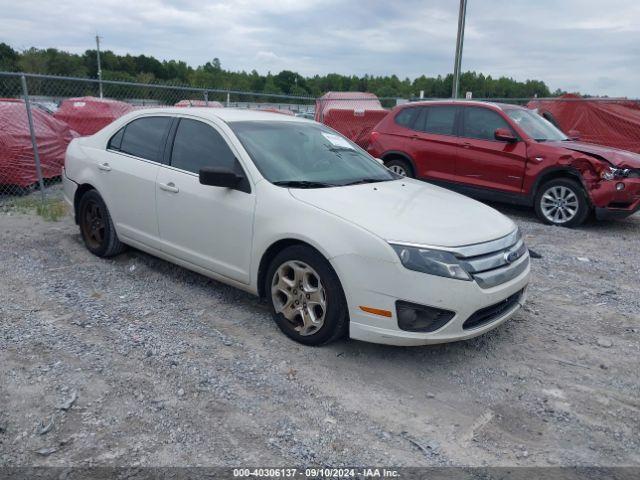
(562, 202)
(96, 226)
(306, 298)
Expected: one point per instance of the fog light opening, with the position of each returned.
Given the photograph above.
(619, 186)
(421, 318)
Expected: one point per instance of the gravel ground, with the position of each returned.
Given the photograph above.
(135, 361)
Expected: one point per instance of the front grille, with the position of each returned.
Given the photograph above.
(494, 263)
(489, 314)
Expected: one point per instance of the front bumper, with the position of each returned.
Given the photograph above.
(379, 284)
(611, 203)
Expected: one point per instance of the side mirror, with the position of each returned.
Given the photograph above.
(220, 177)
(505, 135)
(574, 135)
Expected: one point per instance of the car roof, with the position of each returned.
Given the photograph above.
(470, 103)
(225, 114)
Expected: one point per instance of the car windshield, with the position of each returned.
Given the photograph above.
(534, 125)
(307, 155)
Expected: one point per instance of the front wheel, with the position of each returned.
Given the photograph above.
(400, 166)
(307, 301)
(562, 202)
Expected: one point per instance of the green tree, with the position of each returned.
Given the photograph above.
(212, 75)
(8, 58)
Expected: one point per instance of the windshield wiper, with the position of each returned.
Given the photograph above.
(364, 180)
(342, 149)
(302, 184)
(540, 139)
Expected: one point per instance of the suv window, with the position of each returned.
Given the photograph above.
(142, 138)
(406, 116)
(481, 123)
(198, 145)
(439, 120)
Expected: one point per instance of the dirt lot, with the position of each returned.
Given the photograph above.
(170, 368)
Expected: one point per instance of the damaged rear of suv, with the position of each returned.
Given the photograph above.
(507, 153)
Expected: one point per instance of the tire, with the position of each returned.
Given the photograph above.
(562, 202)
(23, 191)
(282, 275)
(400, 166)
(96, 226)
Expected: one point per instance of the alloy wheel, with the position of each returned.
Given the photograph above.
(398, 169)
(559, 204)
(298, 294)
(93, 224)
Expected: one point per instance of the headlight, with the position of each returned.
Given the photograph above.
(612, 173)
(434, 262)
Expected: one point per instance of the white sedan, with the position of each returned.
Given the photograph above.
(290, 210)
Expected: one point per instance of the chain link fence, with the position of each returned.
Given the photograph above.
(41, 114)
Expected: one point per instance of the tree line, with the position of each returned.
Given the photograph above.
(147, 69)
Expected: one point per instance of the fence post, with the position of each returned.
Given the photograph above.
(32, 130)
(228, 99)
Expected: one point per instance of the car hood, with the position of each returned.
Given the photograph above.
(411, 211)
(619, 158)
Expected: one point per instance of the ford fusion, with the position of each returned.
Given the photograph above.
(288, 209)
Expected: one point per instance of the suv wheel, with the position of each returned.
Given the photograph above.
(96, 226)
(307, 301)
(400, 166)
(562, 202)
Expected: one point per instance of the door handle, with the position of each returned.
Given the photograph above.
(169, 187)
(104, 167)
(466, 145)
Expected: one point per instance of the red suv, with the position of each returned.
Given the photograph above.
(508, 153)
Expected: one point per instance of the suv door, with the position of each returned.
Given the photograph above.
(211, 227)
(484, 161)
(435, 143)
(129, 167)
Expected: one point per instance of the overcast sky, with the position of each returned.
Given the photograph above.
(591, 46)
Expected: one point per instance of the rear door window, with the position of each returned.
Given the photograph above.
(406, 117)
(198, 145)
(144, 137)
(482, 123)
(438, 120)
(116, 140)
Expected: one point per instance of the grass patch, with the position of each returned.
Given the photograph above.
(52, 209)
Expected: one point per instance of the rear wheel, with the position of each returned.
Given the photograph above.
(306, 297)
(562, 202)
(400, 166)
(96, 226)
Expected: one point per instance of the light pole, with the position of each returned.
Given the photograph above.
(459, 43)
(99, 67)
